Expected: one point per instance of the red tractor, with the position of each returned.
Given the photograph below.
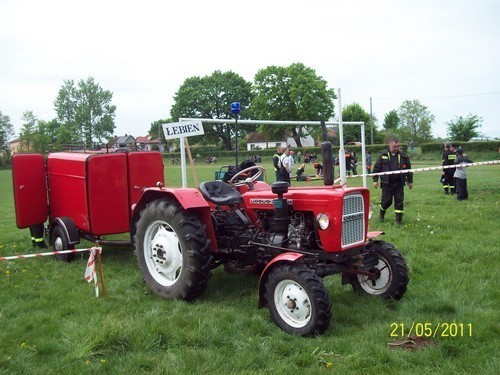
(292, 236)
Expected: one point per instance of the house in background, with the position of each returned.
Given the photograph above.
(330, 133)
(257, 141)
(263, 140)
(124, 142)
(147, 144)
(15, 146)
(306, 141)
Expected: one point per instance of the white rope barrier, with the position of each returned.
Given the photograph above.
(90, 271)
(47, 254)
(425, 169)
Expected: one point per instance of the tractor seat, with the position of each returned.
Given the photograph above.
(220, 193)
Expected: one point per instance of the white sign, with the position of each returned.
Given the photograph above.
(182, 129)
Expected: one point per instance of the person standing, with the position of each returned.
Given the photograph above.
(348, 162)
(368, 162)
(276, 162)
(354, 163)
(285, 166)
(291, 163)
(461, 175)
(449, 157)
(393, 184)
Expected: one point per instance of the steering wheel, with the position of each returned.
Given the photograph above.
(249, 180)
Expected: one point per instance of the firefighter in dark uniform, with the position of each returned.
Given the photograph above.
(37, 238)
(393, 184)
(449, 157)
(276, 163)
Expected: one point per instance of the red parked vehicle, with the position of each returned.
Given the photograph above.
(292, 236)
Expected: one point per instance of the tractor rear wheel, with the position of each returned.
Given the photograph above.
(172, 250)
(298, 300)
(391, 274)
(60, 241)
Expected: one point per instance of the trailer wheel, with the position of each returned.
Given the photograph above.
(298, 300)
(172, 251)
(59, 242)
(391, 271)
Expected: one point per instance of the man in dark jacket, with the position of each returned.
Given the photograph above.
(393, 184)
(461, 176)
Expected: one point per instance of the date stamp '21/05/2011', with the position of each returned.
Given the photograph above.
(428, 329)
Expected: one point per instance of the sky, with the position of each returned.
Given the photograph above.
(445, 53)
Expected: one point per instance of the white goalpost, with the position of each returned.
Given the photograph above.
(340, 124)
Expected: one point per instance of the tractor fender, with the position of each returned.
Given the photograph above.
(68, 226)
(190, 199)
(187, 197)
(285, 257)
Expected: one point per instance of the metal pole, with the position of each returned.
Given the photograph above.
(183, 162)
(268, 122)
(363, 153)
(159, 137)
(236, 136)
(371, 120)
(343, 178)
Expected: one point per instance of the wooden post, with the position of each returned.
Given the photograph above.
(101, 275)
(191, 162)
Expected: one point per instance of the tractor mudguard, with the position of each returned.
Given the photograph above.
(187, 197)
(190, 199)
(285, 257)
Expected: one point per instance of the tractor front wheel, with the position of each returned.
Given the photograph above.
(390, 274)
(298, 300)
(172, 250)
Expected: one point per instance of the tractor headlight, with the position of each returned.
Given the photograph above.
(323, 221)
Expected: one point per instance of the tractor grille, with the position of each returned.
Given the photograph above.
(353, 220)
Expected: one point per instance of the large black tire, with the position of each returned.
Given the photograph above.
(59, 241)
(298, 300)
(172, 251)
(392, 273)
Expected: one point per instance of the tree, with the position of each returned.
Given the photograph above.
(6, 131)
(45, 136)
(464, 128)
(391, 120)
(290, 93)
(416, 121)
(37, 135)
(155, 130)
(86, 109)
(28, 129)
(211, 97)
(65, 103)
(354, 112)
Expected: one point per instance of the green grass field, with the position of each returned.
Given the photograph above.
(51, 322)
